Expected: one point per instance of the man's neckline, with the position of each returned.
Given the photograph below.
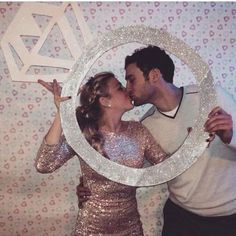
(176, 109)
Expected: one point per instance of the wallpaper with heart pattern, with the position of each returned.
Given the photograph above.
(46, 205)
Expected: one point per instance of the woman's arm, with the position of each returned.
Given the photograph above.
(54, 150)
(51, 157)
(55, 131)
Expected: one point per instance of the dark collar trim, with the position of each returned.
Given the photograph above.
(173, 117)
(192, 92)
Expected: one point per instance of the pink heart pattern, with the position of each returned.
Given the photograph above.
(35, 204)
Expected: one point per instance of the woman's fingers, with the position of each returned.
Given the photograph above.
(55, 89)
(65, 98)
(47, 85)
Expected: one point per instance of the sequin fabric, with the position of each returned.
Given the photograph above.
(112, 207)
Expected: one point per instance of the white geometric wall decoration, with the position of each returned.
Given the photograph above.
(21, 60)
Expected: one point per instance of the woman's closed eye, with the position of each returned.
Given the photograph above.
(121, 88)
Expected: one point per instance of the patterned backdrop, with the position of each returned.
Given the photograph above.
(36, 204)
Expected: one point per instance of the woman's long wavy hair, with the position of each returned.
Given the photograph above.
(89, 112)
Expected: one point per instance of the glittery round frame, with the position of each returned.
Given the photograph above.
(195, 143)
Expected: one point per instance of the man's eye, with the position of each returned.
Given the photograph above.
(131, 81)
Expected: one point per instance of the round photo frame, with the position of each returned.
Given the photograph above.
(195, 143)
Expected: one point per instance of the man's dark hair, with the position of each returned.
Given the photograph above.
(152, 57)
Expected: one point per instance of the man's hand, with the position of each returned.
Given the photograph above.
(220, 123)
(82, 192)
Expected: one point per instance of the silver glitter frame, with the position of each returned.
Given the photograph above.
(195, 143)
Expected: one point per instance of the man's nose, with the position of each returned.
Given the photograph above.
(127, 86)
(125, 90)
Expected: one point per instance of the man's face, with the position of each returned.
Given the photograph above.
(136, 85)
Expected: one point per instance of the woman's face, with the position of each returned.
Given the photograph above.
(119, 98)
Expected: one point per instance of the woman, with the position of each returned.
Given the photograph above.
(112, 207)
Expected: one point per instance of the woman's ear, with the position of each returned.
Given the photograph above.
(105, 102)
(154, 75)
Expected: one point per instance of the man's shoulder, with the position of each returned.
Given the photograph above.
(191, 89)
(195, 88)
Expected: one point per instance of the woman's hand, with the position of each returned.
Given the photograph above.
(55, 89)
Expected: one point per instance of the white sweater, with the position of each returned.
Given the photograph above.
(208, 187)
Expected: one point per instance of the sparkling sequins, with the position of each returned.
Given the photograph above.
(117, 153)
(110, 204)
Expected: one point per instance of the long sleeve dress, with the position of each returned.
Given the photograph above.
(112, 207)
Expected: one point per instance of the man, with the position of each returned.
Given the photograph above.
(202, 200)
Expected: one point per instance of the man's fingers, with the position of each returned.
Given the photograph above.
(81, 183)
(214, 111)
(217, 111)
(81, 179)
(218, 119)
(220, 125)
(84, 199)
(83, 192)
(218, 122)
(82, 189)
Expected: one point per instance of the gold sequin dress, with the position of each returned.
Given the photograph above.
(112, 207)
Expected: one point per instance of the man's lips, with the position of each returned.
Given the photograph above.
(131, 96)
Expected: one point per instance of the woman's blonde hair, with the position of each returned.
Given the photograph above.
(89, 112)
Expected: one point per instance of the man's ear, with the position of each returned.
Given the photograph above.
(104, 101)
(154, 75)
